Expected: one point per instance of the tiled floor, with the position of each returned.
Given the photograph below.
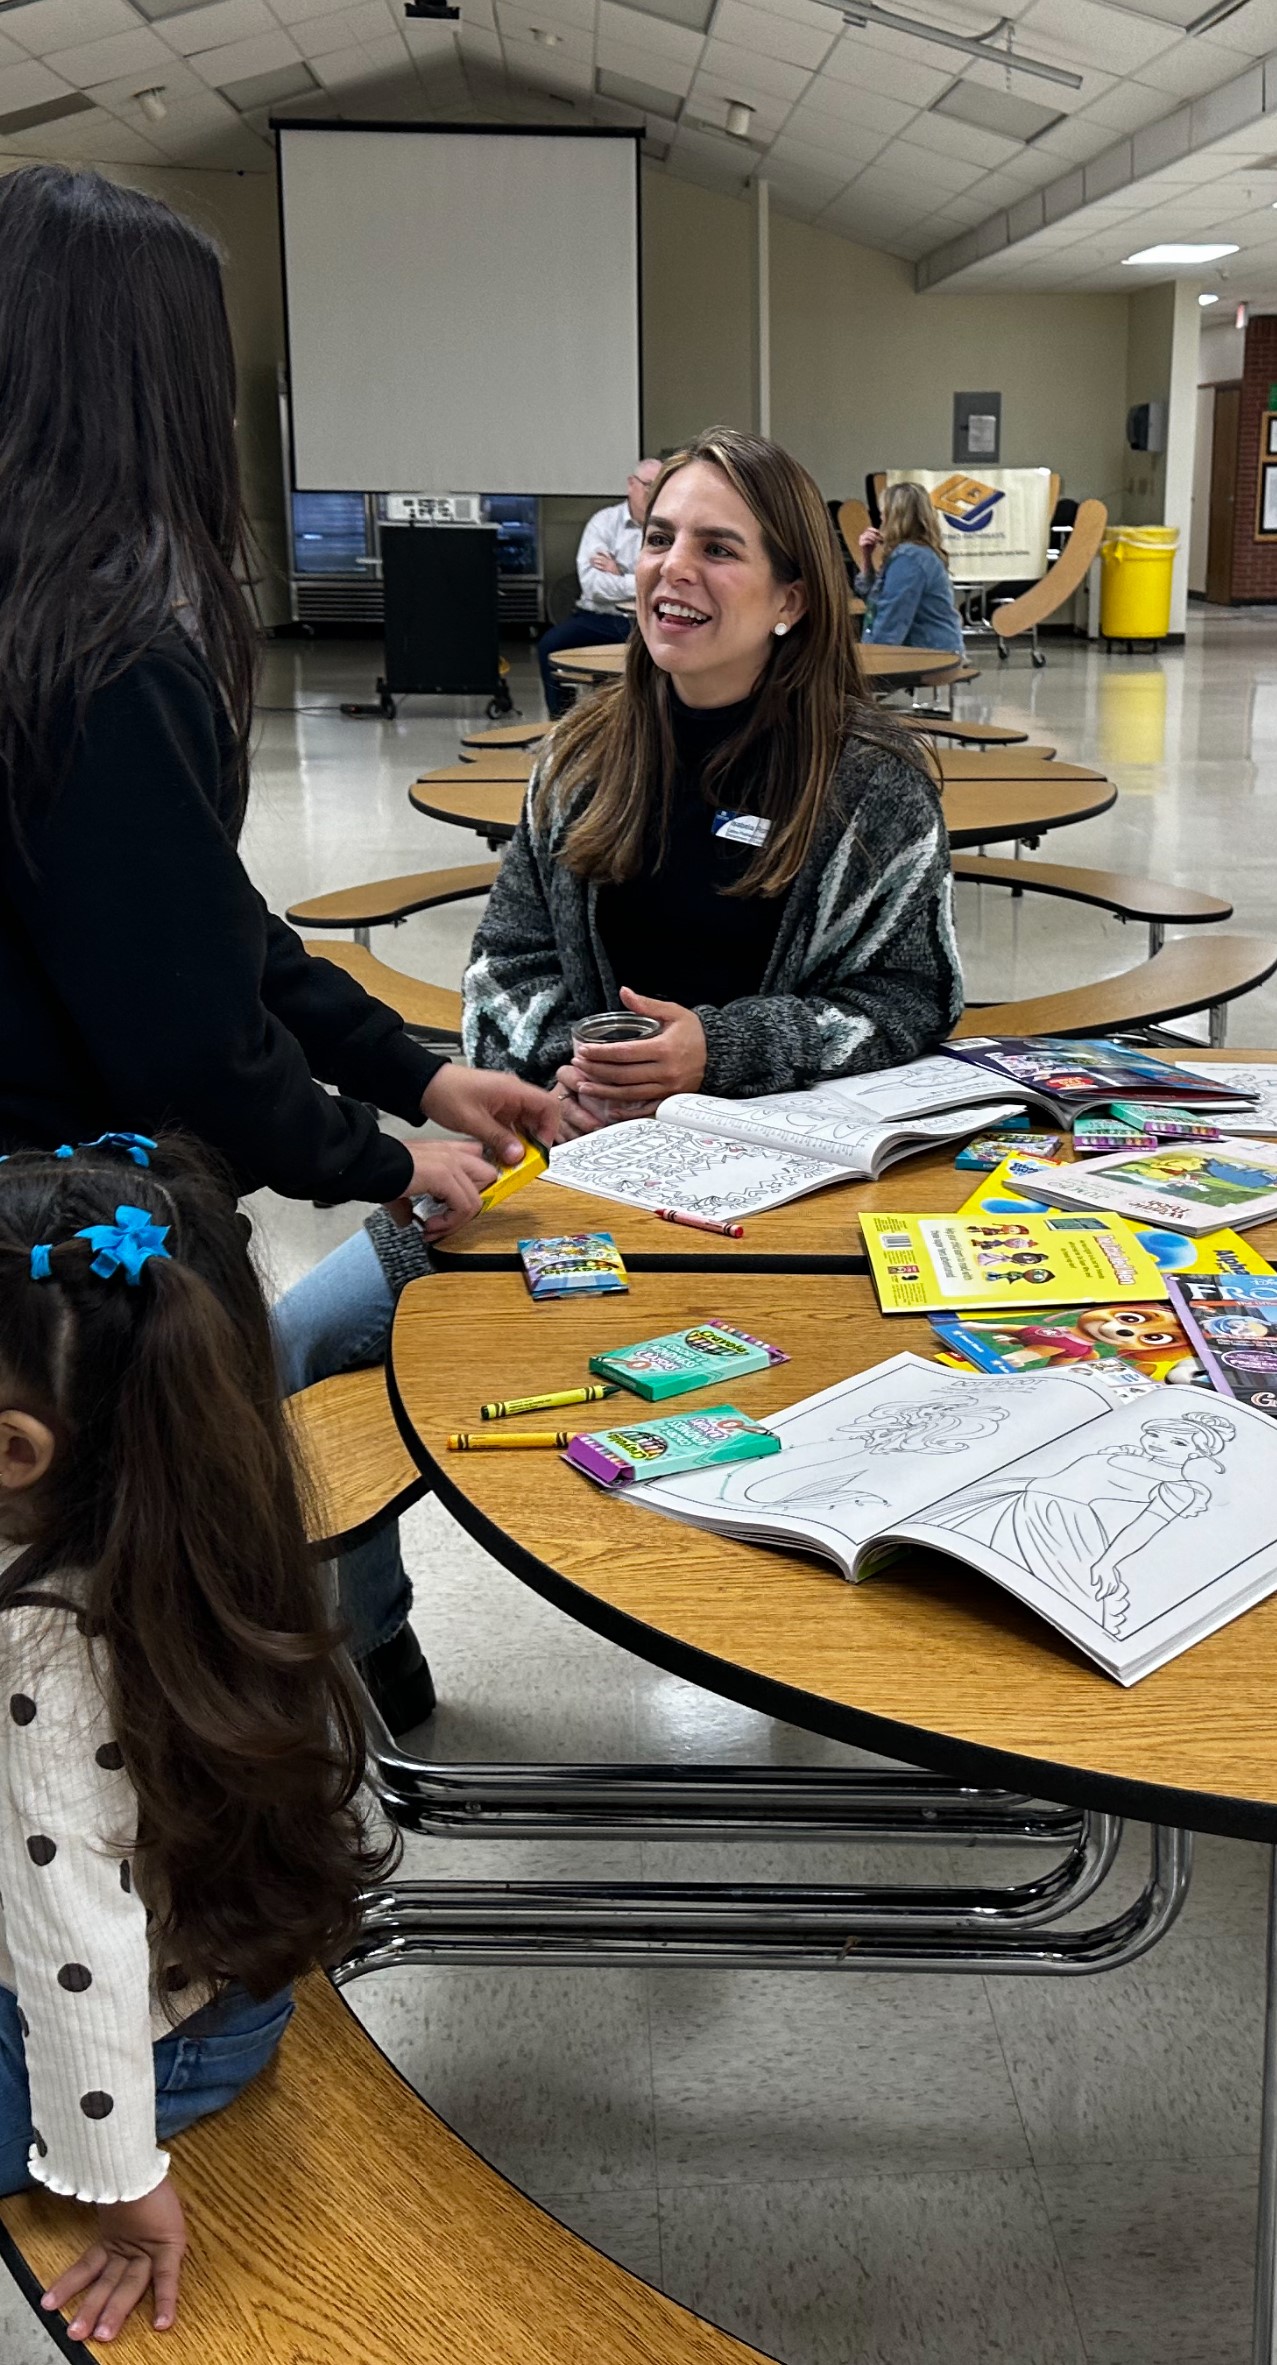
(855, 2170)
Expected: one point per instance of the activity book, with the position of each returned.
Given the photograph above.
(684, 1359)
(1150, 1337)
(682, 1441)
(1135, 1524)
(1066, 1078)
(1191, 1187)
(732, 1158)
(924, 1264)
(1006, 1192)
(1233, 1326)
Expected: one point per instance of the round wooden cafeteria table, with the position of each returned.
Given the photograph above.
(900, 664)
(978, 813)
(818, 1234)
(934, 1664)
(928, 1662)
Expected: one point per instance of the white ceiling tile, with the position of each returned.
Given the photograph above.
(316, 36)
(11, 55)
(1253, 31)
(1189, 70)
(62, 24)
(345, 69)
(1128, 106)
(753, 71)
(1081, 31)
(861, 62)
(28, 85)
(433, 50)
(910, 165)
(178, 85)
(648, 32)
(825, 100)
(951, 138)
(665, 73)
(138, 52)
(1075, 141)
(754, 28)
(239, 59)
(217, 26)
(815, 189)
(574, 41)
(804, 154)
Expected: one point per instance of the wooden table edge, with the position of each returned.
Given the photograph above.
(967, 1761)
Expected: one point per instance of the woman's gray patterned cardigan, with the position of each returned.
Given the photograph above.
(864, 972)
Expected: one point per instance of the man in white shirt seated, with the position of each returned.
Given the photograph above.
(605, 570)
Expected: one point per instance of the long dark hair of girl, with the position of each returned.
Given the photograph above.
(810, 698)
(120, 507)
(172, 1517)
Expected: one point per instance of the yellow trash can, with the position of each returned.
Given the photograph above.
(1136, 565)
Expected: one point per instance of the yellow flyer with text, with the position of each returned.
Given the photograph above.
(924, 1264)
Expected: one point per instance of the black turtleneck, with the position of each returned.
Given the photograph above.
(672, 932)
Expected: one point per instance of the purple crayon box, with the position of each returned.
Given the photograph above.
(663, 1448)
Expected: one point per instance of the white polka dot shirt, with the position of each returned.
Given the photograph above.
(73, 1928)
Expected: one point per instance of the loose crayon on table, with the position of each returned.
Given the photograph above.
(510, 1441)
(700, 1223)
(506, 1405)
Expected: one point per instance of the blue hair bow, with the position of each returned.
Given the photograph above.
(135, 1145)
(125, 1245)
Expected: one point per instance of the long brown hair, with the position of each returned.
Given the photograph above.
(810, 698)
(172, 1518)
(908, 516)
(120, 505)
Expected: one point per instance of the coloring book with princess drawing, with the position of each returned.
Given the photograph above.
(1135, 1518)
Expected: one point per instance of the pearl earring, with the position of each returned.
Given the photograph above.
(780, 630)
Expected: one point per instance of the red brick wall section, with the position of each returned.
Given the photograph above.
(1254, 563)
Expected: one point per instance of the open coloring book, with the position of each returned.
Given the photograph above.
(1258, 1079)
(1135, 1518)
(731, 1158)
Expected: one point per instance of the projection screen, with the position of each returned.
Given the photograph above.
(462, 307)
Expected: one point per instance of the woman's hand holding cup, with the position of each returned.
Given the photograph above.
(618, 1079)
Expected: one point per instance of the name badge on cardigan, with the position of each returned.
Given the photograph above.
(742, 829)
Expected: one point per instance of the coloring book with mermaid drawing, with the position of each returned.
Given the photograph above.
(1135, 1518)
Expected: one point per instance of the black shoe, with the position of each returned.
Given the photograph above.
(398, 1675)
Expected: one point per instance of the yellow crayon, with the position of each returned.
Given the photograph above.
(509, 1440)
(531, 1166)
(507, 1405)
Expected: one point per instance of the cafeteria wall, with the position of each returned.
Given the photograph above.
(863, 369)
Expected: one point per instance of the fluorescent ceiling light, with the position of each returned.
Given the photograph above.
(1179, 254)
(49, 111)
(1003, 112)
(643, 95)
(695, 14)
(868, 12)
(155, 11)
(268, 90)
(1208, 299)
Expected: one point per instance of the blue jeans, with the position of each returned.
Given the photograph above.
(583, 629)
(337, 1318)
(201, 2067)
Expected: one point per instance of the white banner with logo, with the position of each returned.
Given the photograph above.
(994, 526)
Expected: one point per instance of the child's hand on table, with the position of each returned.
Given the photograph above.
(140, 2246)
(453, 1172)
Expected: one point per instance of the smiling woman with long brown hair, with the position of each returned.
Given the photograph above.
(733, 840)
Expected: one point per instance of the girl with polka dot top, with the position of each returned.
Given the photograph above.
(180, 1752)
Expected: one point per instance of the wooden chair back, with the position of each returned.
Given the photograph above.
(1060, 581)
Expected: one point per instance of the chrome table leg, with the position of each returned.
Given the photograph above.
(1264, 2349)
